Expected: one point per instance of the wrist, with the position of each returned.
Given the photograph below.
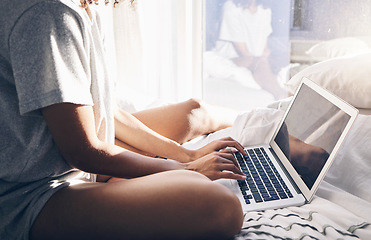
(176, 165)
(187, 155)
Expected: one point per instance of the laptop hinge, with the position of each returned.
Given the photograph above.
(285, 171)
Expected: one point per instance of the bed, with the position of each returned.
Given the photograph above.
(221, 76)
(341, 208)
(305, 53)
(225, 83)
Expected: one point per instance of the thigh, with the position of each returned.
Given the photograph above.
(159, 206)
(184, 121)
(174, 121)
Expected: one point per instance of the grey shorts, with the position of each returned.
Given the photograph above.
(20, 207)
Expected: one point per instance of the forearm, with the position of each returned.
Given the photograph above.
(108, 159)
(131, 131)
(74, 133)
(241, 49)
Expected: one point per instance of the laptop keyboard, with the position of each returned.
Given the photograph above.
(263, 182)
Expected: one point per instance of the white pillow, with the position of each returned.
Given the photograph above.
(348, 77)
(338, 47)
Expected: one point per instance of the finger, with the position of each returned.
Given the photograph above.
(230, 157)
(230, 167)
(240, 148)
(228, 150)
(230, 143)
(227, 158)
(231, 175)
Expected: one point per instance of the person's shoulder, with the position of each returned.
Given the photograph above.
(231, 8)
(44, 18)
(18, 7)
(15, 12)
(42, 8)
(263, 9)
(57, 7)
(230, 5)
(51, 14)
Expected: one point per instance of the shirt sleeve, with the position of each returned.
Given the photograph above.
(49, 49)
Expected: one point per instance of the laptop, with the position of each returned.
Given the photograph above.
(288, 171)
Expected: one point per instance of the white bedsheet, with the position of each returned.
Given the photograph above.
(341, 208)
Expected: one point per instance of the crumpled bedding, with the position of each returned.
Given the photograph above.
(322, 218)
(341, 208)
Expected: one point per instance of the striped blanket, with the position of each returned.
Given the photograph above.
(320, 219)
(341, 208)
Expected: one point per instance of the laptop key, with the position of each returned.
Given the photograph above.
(263, 182)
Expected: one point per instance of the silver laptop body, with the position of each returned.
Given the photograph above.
(288, 171)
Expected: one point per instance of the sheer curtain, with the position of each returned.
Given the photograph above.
(158, 51)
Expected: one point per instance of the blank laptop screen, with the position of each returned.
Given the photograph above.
(309, 133)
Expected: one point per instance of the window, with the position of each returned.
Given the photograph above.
(297, 14)
(172, 50)
(246, 52)
(252, 47)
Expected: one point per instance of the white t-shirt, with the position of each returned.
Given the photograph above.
(241, 25)
(50, 52)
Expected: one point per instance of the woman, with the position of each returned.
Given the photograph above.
(243, 38)
(58, 122)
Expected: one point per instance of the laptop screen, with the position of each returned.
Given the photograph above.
(310, 132)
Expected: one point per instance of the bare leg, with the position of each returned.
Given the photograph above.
(264, 76)
(169, 205)
(186, 120)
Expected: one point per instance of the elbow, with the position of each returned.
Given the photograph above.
(83, 156)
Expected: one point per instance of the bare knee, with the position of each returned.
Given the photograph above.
(229, 216)
(200, 118)
(220, 210)
(194, 103)
(197, 113)
(206, 118)
(217, 210)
